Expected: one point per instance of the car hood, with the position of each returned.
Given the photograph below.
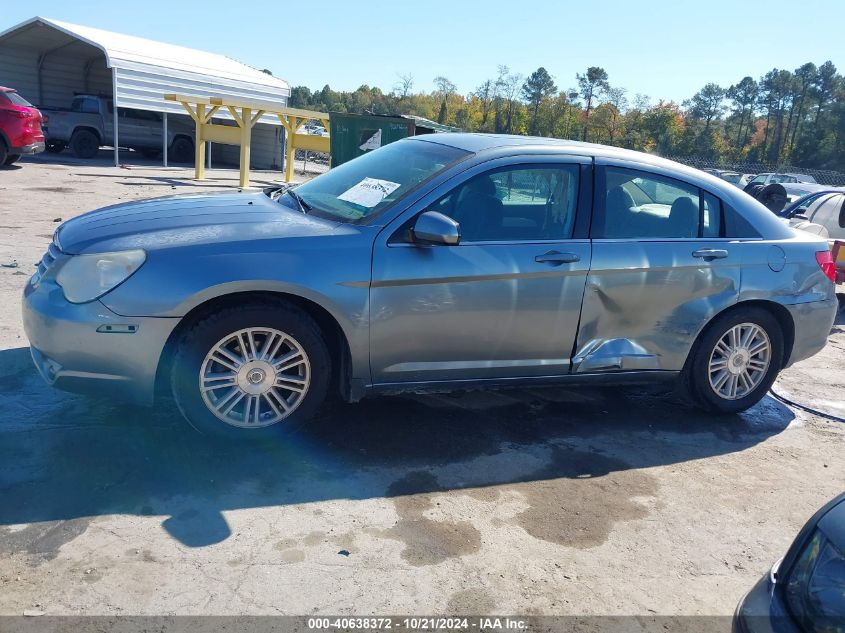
(186, 220)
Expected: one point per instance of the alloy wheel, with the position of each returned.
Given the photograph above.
(739, 361)
(254, 377)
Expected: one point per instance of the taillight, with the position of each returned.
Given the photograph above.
(826, 263)
(21, 114)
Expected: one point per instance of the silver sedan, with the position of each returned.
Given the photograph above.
(442, 261)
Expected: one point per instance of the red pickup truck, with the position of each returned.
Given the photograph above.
(20, 127)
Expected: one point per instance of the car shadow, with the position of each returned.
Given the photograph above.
(69, 459)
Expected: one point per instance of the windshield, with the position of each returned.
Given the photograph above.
(366, 185)
(778, 178)
(801, 203)
(732, 178)
(16, 99)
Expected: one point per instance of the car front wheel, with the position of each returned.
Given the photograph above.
(736, 361)
(250, 370)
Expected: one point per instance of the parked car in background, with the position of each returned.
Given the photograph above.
(805, 591)
(767, 179)
(20, 127)
(821, 212)
(735, 178)
(439, 261)
(777, 196)
(760, 181)
(315, 129)
(89, 124)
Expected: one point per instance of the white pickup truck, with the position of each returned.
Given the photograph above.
(89, 124)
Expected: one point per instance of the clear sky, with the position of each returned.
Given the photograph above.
(659, 48)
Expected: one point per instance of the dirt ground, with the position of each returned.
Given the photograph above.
(533, 501)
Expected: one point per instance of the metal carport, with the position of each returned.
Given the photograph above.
(48, 61)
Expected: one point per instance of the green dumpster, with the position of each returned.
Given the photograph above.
(355, 134)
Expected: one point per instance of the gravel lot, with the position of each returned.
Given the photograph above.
(533, 501)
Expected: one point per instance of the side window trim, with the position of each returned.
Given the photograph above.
(721, 211)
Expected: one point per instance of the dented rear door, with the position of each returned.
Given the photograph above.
(647, 297)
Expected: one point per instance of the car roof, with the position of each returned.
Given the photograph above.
(479, 143)
(492, 146)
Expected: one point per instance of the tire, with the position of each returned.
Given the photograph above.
(256, 380)
(11, 158)
(85, 143)
(182, 150)
(773, 197)
(4, 152)
(753, 189)
(55, 147)
(696, 375)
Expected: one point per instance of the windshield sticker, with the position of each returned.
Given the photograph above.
(369, 192)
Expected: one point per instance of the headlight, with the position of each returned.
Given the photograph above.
(84, 278)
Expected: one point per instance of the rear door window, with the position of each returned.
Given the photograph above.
(642, 205)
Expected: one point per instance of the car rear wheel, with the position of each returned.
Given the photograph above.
(736, 361)
(55, 147)
(4, 152)
(11, 158)
(85, 144)
(182, 150)
(251, 370)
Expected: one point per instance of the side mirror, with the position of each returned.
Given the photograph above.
(435, 228)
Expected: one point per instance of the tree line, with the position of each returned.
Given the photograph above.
(784, 117)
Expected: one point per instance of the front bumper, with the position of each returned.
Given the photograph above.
(813, 321)
(87, 348)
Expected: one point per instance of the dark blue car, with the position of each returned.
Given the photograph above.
(805, 590)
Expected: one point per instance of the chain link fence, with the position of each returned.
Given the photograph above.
(311, 162)
(822, 176)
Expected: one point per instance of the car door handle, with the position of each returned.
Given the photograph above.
(710, 253)
(555, 258)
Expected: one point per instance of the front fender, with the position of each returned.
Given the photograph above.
(333, 273)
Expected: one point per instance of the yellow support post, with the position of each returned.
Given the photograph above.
(246, 114)
(291, 148)
(246, 136)
(199, 143)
